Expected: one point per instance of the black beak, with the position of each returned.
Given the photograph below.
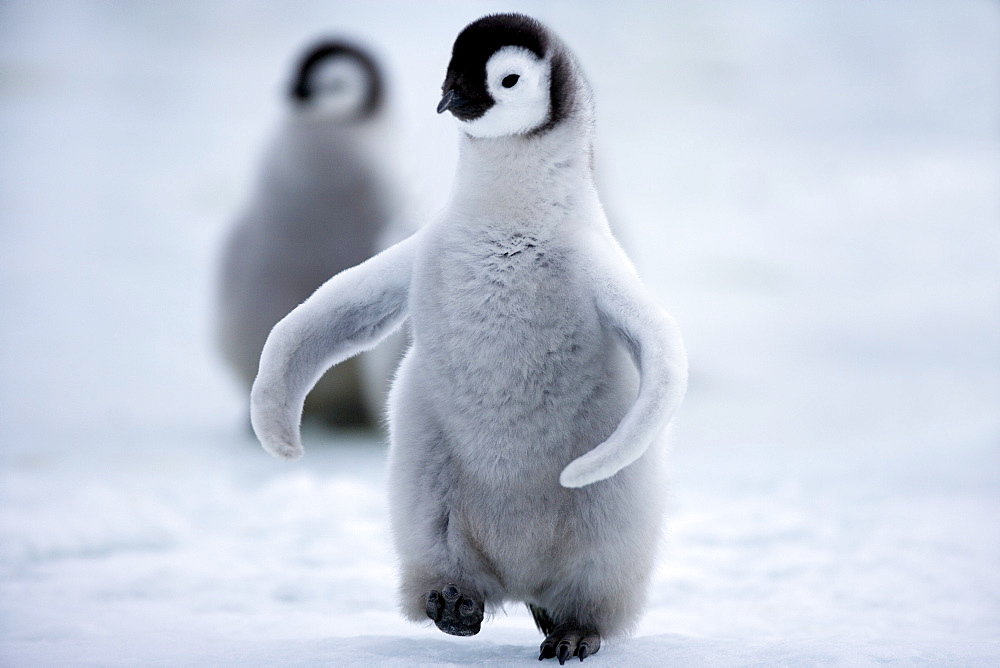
(451, 100)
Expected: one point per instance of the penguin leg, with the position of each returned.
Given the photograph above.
(570, 639)
(439, 579)
(453, 612)
(543, 620)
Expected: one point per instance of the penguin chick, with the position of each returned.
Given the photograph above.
(525, 418)
(323, 203)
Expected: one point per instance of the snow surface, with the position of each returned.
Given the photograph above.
(813, 188)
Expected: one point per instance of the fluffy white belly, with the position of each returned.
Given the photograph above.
(511, 351)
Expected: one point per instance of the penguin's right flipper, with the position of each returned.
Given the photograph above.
(348, 314)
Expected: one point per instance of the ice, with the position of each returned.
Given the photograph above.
(812, 188)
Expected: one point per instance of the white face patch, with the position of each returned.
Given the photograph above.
(339, 87)
(519, 83)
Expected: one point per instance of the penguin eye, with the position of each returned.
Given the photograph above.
(510, 80)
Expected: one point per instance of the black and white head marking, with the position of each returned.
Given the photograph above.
(506, 77)
(337, 79)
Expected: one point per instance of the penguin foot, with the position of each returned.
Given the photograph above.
(570, 639)
(454, 613)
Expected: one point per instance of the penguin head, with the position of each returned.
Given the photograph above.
(507, 76)
(337, 80)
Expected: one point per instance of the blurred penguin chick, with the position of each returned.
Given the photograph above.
(325, 200)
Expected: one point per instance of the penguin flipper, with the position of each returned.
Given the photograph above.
(348, 314)
(654, 341)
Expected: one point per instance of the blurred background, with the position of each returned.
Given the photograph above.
(811, 188)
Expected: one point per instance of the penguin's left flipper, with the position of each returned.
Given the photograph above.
(570, 639)
(654, 341)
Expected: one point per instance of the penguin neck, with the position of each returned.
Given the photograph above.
(312, 139)
(519, 174)
(314, 152)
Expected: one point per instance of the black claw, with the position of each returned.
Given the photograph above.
(592, 643)
(434, 606)
(570, 639)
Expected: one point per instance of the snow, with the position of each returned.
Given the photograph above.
(812, 188)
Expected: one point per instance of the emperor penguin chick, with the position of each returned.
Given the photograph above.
(525, 418)
(325, 201)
